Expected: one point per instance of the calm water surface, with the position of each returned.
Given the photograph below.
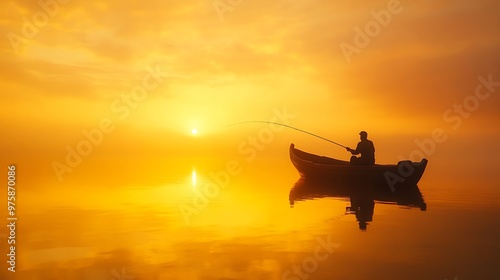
(249, 230)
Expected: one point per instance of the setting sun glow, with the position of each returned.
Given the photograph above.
(153, 139)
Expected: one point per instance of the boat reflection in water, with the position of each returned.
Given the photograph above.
(362, 197)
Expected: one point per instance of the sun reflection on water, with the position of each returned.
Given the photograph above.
(193, 177)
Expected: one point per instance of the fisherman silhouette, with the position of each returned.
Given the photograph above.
(364, 213)
(362, 205)
(365, 148)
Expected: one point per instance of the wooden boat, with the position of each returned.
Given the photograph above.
(392, 176)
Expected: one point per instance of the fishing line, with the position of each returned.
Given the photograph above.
(285, 125)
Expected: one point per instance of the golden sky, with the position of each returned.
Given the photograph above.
(67, 65)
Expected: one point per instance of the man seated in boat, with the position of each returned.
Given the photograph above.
(365, 148)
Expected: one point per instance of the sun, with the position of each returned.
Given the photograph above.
(194, 131)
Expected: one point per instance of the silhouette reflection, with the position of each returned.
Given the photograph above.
(362, 197)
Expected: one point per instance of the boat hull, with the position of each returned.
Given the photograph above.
(320, 168)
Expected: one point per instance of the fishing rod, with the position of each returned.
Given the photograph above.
(285, 125)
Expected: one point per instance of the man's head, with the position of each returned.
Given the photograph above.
(363, 135)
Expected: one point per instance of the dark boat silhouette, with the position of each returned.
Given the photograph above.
(323, 168)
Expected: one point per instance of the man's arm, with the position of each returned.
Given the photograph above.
(354, 152)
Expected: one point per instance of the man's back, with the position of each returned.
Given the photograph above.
(367, 151)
